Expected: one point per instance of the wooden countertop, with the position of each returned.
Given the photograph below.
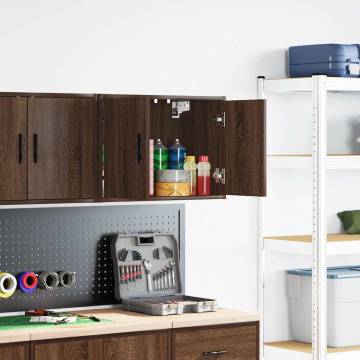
(124, 322)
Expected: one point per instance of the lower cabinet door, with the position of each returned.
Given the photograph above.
(14, 351)
(220, 342)
(142, 346)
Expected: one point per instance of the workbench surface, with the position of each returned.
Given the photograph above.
(125, 322)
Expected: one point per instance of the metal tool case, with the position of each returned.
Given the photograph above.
(149, 278)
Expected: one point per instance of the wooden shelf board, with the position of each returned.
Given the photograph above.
(308, 238)
(338, 244)
(304, 161)
(306, 348)
(154, 198)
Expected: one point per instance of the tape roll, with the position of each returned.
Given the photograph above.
(48, 280)
(27, 282)
(67, 278)
(8, 285)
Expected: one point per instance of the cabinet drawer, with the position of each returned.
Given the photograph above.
(222, 343)
(141, 346)
(16, 351)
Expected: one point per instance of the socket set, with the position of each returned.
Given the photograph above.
(148, 277)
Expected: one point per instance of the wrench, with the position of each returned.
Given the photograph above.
(172, 264)
(147, 266)
(169, 277)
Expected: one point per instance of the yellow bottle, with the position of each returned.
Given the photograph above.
(191, 165)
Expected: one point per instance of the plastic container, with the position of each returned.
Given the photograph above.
(182, 176)
(160, 156)
(343, 315)
(172, 189)
(177, 154)
(191, 166)
(203, 179)
(172, 183)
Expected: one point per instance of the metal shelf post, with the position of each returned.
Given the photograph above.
(260, 246)
(319, 220)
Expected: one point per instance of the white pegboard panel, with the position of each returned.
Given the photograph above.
(75, 239)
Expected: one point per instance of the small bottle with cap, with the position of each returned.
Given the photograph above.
(191, 166)
(203, 180)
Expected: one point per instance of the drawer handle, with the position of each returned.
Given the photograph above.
(35, 148)
(20, 143)
(214, 353)
(139, 148)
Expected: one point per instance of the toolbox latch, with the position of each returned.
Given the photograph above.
(219, 176)
(354, 69)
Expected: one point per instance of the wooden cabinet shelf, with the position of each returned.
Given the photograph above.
(62, 147)
(164, 198)
(47, 147)
(302, 244)
(283, 350)
(127, 123)
(238, 341)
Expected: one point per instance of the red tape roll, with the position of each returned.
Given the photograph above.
(29, 280)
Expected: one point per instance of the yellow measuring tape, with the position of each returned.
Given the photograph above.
(8, 285)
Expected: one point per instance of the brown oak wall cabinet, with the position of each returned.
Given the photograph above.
(65, 147)
(231, 133)
(13, 143)
(47, 147)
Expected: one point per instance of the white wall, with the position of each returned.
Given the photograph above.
(203, 47)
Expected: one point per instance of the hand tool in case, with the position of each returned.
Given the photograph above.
(161, 293)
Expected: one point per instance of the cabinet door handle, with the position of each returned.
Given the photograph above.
(35, 148)
(20, 144)
(214, 353)
(139, 148)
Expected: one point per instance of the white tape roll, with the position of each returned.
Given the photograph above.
(8, 285)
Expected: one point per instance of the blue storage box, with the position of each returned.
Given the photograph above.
(327, 59)
(343, 300)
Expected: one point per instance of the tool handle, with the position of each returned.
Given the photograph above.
(149, 282)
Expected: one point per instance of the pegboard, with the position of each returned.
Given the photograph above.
(76, 239)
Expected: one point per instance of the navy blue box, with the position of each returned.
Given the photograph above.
(325, 59)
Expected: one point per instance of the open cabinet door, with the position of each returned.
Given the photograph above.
(245, 143)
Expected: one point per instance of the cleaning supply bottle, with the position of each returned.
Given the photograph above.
(203, 180)
(177, 154)
(191, 166)
(160, 156)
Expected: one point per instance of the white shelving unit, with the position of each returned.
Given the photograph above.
(319, 244)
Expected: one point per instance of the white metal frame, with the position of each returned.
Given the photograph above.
(318, 86)
(260, 248)
(319, 233)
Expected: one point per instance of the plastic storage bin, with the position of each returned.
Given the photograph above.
(325, 59)
(343, 315)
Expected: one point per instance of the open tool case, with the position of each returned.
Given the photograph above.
(149, 278)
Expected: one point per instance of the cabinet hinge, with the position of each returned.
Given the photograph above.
(219, 176)
(219, 119)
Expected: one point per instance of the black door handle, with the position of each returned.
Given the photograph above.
(35, 148)
(139, 148)
(214, 353)
(20, 144)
